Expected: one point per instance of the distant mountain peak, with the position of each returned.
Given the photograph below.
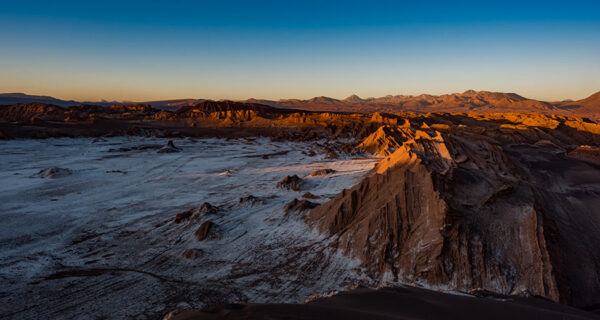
(594, 96)
(354, 98)
(323, 99)
(23, 95)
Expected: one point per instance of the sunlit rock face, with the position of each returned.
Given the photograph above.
(494, 202)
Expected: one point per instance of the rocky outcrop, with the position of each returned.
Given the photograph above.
(184, 216)
(385, 140)
(290, 183)
(464, 209)
(322, 172)
(206, 231)
(586, 153)
(299, 205)
(230, 106)
(53, 173)
(195, 214)
(309, 195)
(32, 112)
(207, 208)
(250, 201)
(41, 112)
(169, 148)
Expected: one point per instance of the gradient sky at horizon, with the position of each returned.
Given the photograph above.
(138, 50)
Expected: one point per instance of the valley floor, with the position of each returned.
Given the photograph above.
(100, 241)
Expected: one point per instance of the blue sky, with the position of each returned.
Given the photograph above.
(136, 50)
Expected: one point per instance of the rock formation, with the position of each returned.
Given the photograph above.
(299, 205)
(207, 208)
(184, 216)
(53, 172)
(250, 201)
(206, 231)
(290, 183)
(322, 172)
(195, 214)
(586, 153)
(169, 148)
(477, 205)
(309, 195)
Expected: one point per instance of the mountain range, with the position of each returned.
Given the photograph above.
(468, 101)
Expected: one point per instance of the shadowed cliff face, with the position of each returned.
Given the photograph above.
(488, 202)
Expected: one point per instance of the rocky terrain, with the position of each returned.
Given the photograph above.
(111, 228)
(253, 203)
(493, 203)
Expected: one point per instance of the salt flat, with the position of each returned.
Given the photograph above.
(102, 241)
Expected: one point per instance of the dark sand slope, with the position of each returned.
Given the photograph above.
(396, 303)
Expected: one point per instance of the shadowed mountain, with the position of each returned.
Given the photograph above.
(16, 98)
(224, 106)
(590, 106)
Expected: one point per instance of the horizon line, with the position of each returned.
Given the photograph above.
(101, 100)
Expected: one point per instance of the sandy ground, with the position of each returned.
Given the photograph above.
(400, 303)
(101, 242)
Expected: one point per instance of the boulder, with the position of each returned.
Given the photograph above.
(183, 216)
(250, 201)
(205, 231)
(169, 148)
(300, 205)
(322, 172)
(309, 195)
(290, 183)
(207, 208)
(53, 172)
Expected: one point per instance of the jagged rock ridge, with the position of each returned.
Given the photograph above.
(496, 205)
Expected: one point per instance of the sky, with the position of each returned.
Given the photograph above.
(153, 50)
